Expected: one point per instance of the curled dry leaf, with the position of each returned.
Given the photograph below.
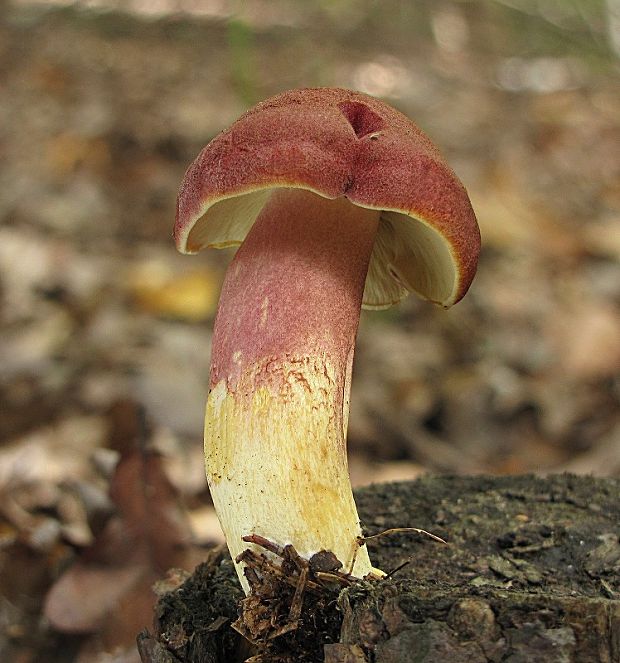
(83, 597)
(108, 589)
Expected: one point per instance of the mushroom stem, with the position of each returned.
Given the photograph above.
(282, 356)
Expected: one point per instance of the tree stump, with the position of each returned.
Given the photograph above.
(530, 573)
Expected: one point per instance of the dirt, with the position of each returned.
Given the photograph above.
(193, 621)
(530, 572)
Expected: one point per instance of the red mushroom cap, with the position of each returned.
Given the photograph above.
(339, 143)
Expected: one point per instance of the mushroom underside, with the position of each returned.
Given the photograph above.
(409, 254)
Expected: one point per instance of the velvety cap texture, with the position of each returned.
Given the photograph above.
(335, 143)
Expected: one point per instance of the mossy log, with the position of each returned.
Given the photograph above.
(530, 572)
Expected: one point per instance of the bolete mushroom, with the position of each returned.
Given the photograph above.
(337, 201)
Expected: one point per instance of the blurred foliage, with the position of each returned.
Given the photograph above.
(242, 69)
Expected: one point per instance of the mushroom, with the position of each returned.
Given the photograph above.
(336, 201)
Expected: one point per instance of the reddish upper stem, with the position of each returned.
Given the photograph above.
(295, 285)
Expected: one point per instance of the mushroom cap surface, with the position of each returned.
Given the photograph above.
(335, 143)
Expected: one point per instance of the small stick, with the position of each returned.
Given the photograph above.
(291, 555)
(398, 568)
(298, 598)
(340, 578)
(261, 541)
(361, 540)
(396, 530)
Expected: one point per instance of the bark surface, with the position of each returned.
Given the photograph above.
(531, 572)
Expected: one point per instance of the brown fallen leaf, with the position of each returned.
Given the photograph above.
(82, 598)
(108, 590)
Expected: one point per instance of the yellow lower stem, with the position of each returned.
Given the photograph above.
(278, 473)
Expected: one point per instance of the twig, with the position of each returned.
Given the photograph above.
(361, 540)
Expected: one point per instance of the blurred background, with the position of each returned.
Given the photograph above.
(105, 329)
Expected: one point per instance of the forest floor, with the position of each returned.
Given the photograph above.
(105, 329)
